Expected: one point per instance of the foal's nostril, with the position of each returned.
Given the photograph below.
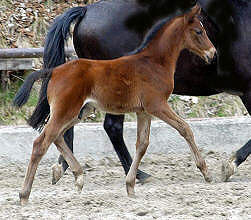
(209, 59)
(214, 59)
(210, 55)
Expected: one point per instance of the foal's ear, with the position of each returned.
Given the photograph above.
(189, 17)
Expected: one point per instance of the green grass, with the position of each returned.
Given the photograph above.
(13, 115)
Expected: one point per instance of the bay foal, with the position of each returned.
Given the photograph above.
(141, 82)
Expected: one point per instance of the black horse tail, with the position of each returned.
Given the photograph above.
(54, 53)
(38, 118)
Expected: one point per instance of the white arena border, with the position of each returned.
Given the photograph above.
(216, 134)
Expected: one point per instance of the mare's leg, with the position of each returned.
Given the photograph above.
(40, 147)
(230, 167)
(59, 169)
(113, 126)
(71, 160)
(165, 113)
(143, 131)
(68, 137)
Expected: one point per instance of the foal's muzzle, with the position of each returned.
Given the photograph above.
(210, 55)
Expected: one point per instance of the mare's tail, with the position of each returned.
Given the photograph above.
(38, 118)
(54, 53)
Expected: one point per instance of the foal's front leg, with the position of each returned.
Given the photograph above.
(143, 131)
(165, 113)
(113, 126)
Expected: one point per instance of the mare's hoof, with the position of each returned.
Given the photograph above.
(79, 182)
(149, 179)
(143, 177)
(57, 173)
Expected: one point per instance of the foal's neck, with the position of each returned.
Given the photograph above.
(167, 45)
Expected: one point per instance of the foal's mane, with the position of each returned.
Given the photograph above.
(151, 34)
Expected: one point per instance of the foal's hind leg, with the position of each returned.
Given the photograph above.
(165, 113)
(67, 153)
(143, 131)
(40, 146)
(59, 168)
(71, 160)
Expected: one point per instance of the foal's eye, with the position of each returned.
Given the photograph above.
(199, 32)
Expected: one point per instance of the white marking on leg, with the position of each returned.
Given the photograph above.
(79, 182)
(57, 173)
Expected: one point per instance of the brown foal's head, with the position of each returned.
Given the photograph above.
(196, 39)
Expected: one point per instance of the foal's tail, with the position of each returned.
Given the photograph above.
(38, 118)
(54, 53)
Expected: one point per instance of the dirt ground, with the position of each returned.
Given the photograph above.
(177, 191)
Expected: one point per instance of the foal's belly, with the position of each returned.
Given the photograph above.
(115, 106)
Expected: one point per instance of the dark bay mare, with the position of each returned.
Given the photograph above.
(140, 82)
(102, 32)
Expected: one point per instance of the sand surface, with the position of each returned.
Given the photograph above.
(177, 191)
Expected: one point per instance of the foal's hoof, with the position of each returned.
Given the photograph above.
(79, 182)
(228, 169)
(130, 189)
(57, 173)
(130, 192)
(23, 199)
(208, 178)
(23, 202)
(133, 196)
